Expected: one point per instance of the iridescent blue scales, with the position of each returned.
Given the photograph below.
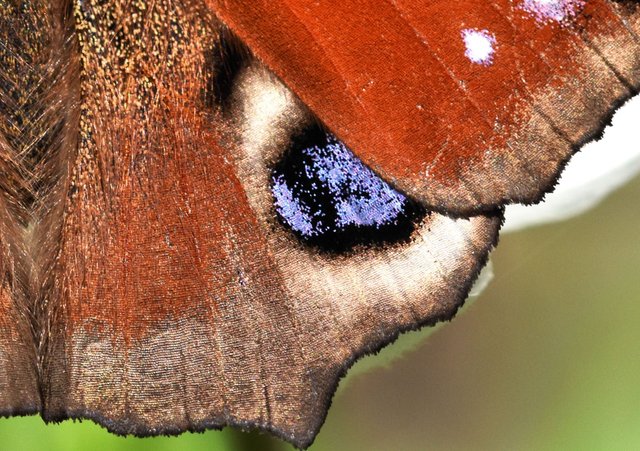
(329, 198)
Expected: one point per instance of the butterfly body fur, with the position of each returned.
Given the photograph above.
(148, 284)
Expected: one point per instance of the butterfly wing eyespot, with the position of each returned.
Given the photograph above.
(329, 199)
(418, 277)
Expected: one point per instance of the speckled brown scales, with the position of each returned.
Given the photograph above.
(148, 285)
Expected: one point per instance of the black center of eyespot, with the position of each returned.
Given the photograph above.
(329, 199)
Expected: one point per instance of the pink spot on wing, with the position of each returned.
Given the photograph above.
(480, 46)
(545, 11)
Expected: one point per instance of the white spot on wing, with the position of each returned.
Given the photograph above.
(480, 46)
(545, 11)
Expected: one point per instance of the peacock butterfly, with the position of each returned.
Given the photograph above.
(211, 209)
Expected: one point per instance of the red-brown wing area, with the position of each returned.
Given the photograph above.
(399, 83)
(176, 300)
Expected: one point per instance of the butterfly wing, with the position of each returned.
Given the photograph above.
(177, 300)
(155, 291)
(465, 105)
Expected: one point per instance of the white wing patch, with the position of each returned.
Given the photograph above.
(545, 11)
(480, 46)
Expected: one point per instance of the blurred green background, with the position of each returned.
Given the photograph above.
(547, 358)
